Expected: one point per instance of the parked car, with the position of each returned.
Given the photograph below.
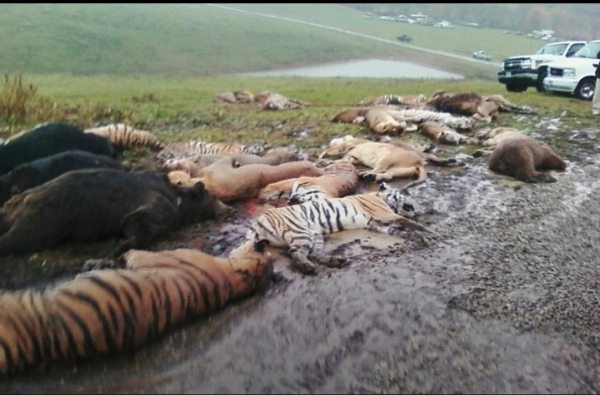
(481, 55)
(576, 74)
(524, 71)
(404, 38)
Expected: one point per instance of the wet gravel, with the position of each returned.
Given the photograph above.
(507, 302)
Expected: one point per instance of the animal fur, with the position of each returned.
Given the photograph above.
(301, 227)
(50, 139)
(123, 136)
(387, 161)
(195, 148)
(194, 165)
(351, 115)
(274, 101)
(382, 120)
(467, 104)
(338, 180)
(521, 158)
(235, 97)
(443, 134)
(449, 120)
(230, 183)
(411, 100)
(35, 173)
(89, 205)
(108, 311)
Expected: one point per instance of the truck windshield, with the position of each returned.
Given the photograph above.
(590, 50)
(552, 49)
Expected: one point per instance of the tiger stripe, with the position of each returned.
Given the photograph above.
(127, 137)
(195, 148)
(105, 311)
(301, 227)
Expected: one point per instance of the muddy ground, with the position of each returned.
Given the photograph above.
(507, 302)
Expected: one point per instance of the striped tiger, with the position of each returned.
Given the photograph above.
(105, 311)
(275, 102)
(447, 119)
(195, 148)
(301, 227)
(125, 136)
(393, 100)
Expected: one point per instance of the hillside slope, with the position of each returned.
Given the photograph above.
(177, 39)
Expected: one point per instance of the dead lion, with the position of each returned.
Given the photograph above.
(194, 165)
(229, 182)
(387, 161)
(339, 179)
(382, 120)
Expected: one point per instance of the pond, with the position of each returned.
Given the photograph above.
(371, 68)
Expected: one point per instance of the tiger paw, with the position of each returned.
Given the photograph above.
(337, 262)
(396, 231)
(98, 264)
(305, 268)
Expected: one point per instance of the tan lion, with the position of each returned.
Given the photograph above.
(382, 120)
(194, 165)
(339, 179)
(230, 182)
(387, 161)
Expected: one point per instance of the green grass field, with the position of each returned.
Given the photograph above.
(177, 39)
(180, 109)
(187, 39)
(461, 40)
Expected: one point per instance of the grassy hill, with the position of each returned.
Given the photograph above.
(179, 39)
(461, 40)
(176, 39)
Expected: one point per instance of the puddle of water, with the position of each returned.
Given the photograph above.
(371, 68)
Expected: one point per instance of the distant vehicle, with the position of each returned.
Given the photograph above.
(404, 38)
(403, 18)
(575, 74)
(481, 55)
(524, 71)
(444, 25)
(386, 18)
(473, 24)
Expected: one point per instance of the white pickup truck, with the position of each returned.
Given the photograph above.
(521, 72)
(576, 75)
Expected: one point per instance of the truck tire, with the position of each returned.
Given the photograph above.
(542, 73)
(515, 88)
(585, 89)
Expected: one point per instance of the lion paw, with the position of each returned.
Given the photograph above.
(98, 264)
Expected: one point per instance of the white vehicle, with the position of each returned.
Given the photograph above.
(524, 71)
(576, 75)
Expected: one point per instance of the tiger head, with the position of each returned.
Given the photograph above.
(305, 191)
(253, 261)
(397, 200)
